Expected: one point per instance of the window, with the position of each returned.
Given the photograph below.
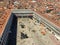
(30, 17)
(24, 16)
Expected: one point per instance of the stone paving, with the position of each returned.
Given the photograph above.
(33, 30)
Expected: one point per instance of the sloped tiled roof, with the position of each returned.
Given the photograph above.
(3, 20)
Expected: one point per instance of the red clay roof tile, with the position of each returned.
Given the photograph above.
(3, 21)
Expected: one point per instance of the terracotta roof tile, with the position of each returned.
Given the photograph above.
(3, 21)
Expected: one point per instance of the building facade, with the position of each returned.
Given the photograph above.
(4, 36)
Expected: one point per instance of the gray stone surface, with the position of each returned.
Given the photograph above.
(33, 31)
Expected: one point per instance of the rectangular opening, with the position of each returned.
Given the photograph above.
(22, 26)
